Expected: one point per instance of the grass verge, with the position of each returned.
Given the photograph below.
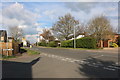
(31, 52)
(2, 57)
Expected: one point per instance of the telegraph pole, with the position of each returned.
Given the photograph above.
(74, 38)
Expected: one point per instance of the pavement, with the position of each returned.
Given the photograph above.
(64, 63)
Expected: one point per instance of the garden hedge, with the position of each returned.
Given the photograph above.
(85, 42)
(43, 43)
(52, 44)
(67, 43)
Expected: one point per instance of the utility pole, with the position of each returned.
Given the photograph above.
(74, 38)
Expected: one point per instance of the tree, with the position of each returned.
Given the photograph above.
(47, 35)
(64, 27)
(16, 33)
(100, 28)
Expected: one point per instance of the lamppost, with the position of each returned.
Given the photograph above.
(74, 38)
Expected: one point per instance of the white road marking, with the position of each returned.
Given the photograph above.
(111, 56)
(98, 56)
(83, 61)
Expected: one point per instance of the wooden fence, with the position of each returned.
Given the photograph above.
(9, 48)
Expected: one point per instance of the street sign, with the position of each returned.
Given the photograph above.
(7, 49)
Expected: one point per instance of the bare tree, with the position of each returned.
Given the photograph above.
(16, 33)
(47, 35)
(100, 28)
(64, 28)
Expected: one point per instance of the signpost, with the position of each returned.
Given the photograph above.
(74, 38)
(8, 49)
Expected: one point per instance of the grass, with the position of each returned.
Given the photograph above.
(31, 52)
(6, 57)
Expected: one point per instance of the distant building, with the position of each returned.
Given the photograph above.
(25, 43)
(80, 35)
(10, 39)
(40, 38)
(8, 46)
(3, 36)
(108, 42)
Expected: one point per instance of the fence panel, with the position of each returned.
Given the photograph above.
(6, 48)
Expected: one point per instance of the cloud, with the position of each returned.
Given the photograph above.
(77, 6)
(33, 17)
(60, 0)
(32, 38)
(17, 15)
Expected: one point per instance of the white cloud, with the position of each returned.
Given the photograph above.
(32, 38)
(17, 15)
(22, 26)
(60, 0)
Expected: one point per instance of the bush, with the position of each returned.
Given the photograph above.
(85, 42)
(114, 45)
(67, 43)
(52, 44)
(43, 43)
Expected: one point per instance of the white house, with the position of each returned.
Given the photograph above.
(40, 38)
(80, 36)
(25, 43)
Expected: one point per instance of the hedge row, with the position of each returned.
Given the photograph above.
(85, 42)
(43, 43)
(67, 43)
(50, 44)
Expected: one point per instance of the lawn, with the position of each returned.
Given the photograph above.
(6, 57)
(31, 52)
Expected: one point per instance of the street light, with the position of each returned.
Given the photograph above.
(74, 38)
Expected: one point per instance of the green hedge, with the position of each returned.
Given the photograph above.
(52, 44)
(85, 42)
(67, 43)
(43, 43)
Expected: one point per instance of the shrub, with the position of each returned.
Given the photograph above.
(114, 45)
(67, 43)
(52, 44)
(85, 42)
(43, 43)
(111, 43)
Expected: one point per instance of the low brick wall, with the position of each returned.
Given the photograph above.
(6, 48)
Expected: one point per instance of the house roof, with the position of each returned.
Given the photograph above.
(10, 38)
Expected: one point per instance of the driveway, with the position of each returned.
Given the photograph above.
(64, 63)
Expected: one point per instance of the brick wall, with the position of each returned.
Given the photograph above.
(9, 45)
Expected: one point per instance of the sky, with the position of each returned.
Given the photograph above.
(32, 17)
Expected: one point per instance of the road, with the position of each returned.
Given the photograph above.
(64, 63)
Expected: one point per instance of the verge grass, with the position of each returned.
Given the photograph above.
(31, 52)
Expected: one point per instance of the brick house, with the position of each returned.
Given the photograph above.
(8, 46)
(108, 42)
(3, 36)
